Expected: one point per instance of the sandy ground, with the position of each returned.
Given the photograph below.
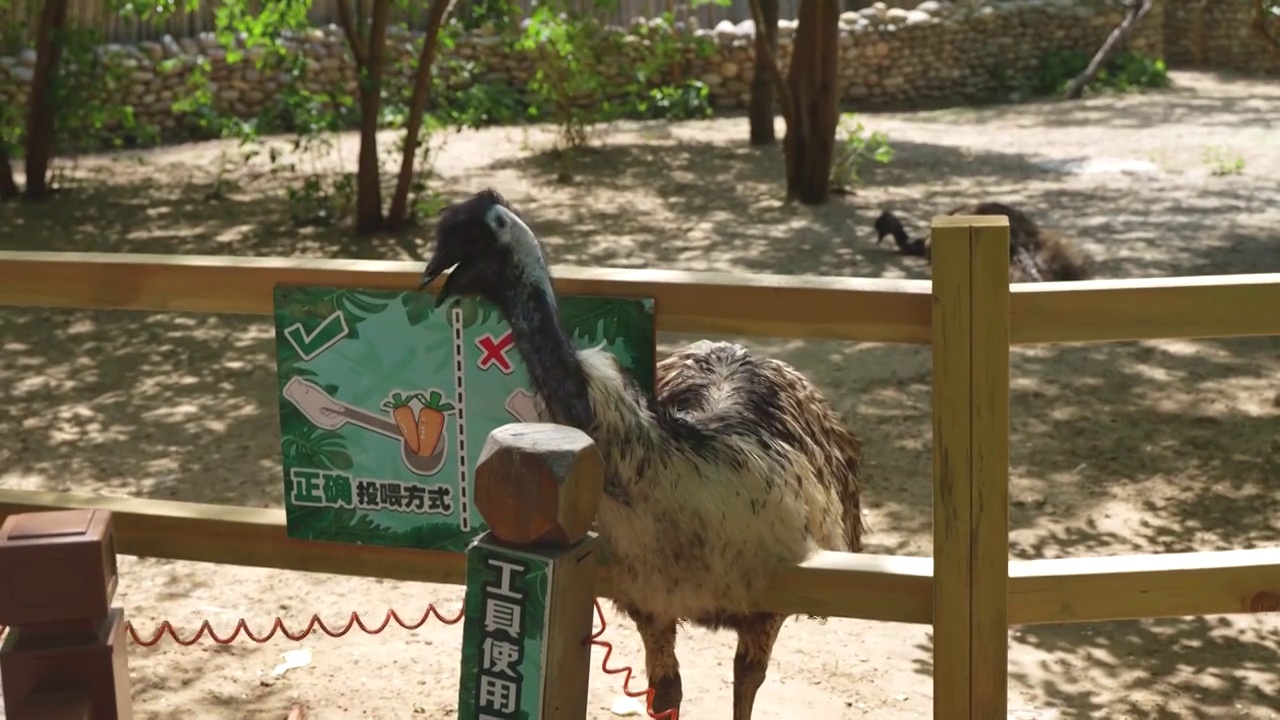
(1116, 448)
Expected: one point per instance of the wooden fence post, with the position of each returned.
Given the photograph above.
(970, 467)
(64, 657)
(531, 576)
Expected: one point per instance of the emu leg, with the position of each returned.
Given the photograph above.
(1026, 265)
(660, 663)
(756, 636)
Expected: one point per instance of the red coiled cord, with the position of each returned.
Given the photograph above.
(278, 626)
(167, 629)
(626, 671)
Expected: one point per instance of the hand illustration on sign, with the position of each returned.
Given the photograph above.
(419, 433)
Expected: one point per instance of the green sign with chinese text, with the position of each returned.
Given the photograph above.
(502, 636)
(386, 401)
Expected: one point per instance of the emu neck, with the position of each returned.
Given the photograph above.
(549, 355)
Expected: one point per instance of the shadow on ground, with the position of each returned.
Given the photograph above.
(1234, 101)
(164, 406)
(1197, 667)
(1134, 228)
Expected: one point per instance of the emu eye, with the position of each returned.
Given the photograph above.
(500, 222)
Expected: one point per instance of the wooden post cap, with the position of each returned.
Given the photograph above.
(539, 484)
(59, 566)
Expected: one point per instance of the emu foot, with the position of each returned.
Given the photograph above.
(667, 694)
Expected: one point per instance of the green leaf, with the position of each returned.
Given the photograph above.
(310, 446)
(628, 320)
(352, 525)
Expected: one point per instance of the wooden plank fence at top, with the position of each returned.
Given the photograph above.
(868, 309)
(969, 591)
(811, 307)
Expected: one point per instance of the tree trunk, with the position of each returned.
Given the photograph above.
(8, 187)
(41, 110)
(369, 217)
(1114, 43)
(1262, 12)
(398, 214)
(761, 107)
(813, 81)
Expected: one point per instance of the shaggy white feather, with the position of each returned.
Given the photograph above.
(706, 536)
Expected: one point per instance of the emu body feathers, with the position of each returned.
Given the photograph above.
(1035, 254)
(737, 467)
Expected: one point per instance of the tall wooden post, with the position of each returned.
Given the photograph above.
(531, 576)
(970, 467)
(64, 657)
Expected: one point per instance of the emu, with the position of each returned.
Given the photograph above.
(888, 224)
(1035, 254)
(737, 466)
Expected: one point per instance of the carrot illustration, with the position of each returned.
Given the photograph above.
(431, 422)
(403, 415)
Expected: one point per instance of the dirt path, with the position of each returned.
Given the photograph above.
(1117, 448)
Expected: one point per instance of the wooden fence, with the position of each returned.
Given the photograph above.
(969, 591)
(117, 28)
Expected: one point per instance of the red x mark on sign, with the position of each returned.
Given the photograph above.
(495, 352)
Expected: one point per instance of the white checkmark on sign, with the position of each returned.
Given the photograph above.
(326, 335)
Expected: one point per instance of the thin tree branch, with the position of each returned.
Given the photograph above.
(784, 93)
(1260, 26)
(353, 35)
(399, 210)
(8, 187)
(1114, 42)
(378, 38)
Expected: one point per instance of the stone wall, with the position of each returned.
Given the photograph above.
(1216, 35)
(935, 54)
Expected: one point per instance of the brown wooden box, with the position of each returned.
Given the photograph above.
(56, 567)
(35, 669)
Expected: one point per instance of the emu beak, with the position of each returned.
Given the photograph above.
(429, 275)
(433, 271)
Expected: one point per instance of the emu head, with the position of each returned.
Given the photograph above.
(492, 251)
(889, 224)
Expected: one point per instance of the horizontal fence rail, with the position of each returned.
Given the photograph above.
(970, 592)
(890, 588)
(874, 587)
(755, 305)
(971, 257)
(824, 307)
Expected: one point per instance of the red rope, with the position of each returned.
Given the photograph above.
(355, 621)
(672, 714)
(277, 626)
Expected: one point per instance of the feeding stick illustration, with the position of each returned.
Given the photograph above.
(326, 412)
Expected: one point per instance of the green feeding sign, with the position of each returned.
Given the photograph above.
(503, 653)
(386, 401)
